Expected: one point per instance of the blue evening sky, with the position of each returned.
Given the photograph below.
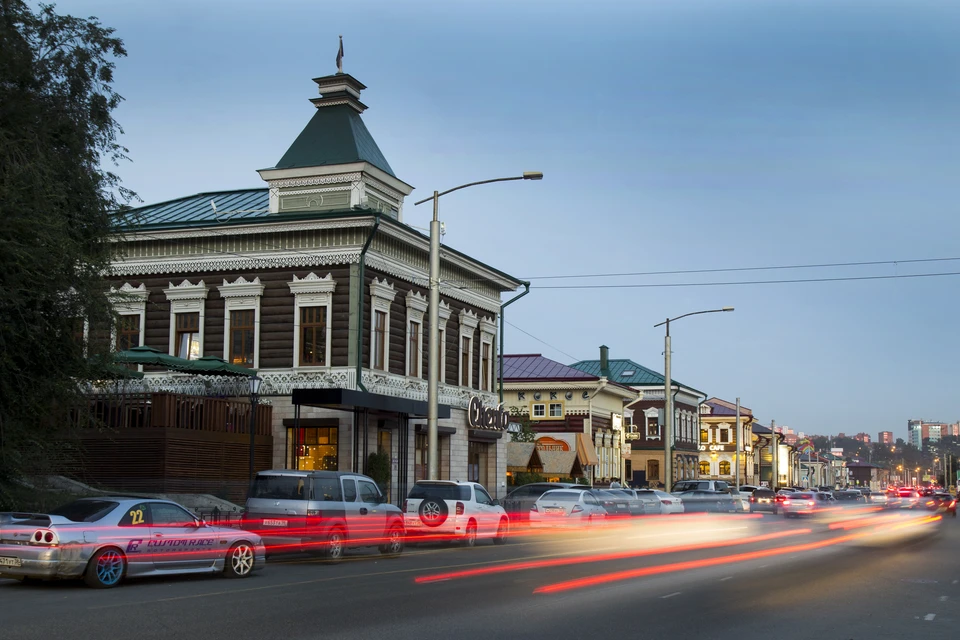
(673, 135)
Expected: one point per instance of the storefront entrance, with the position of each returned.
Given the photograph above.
(477, 461)
(313, 448)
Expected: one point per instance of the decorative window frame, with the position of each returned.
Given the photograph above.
(533, 415)
(382, 294)
(444, 313)
(129, 300)
(468, 327)
(416, 306)
(651, 412)
(488, 333)
(186, 298)
(242, 295)
(312, 291)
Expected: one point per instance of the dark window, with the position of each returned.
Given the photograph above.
(465, 362)
(128, 332)
(482, 496)
(313, 336)
(242, 327)
(440, 491)
(85, 510)
(563, 496)
(169, 515)
(420, 460)
(279, 487)
(326, 489)
(349, 490)
(442, 350)
(724, 436)
(414, 356)
(485, 368)
(187, 342)
(369, 492)
(380, 341)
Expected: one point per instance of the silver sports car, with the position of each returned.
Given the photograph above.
(106, 539)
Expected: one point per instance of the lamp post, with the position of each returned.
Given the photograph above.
(668, 397)
(255, 382)
(433, 317)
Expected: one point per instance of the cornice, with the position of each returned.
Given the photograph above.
(213, 230)
(312, 283)
(187, 291)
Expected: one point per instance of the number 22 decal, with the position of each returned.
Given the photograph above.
(137, 515)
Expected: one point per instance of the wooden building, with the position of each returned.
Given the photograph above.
(315, 281)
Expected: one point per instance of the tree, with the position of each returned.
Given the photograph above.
(58, 207)
(526, 433)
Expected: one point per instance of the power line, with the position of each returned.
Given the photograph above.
(746, 282)
(541, 341)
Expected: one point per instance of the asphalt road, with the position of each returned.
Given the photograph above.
(741, 578)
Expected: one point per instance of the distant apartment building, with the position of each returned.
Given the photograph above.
(789, 436)
(920, 430)
(862, 437)
(885, 437)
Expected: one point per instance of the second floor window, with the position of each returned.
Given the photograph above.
(414, 355)
(465, 362)
(380, 341)
(187, 341)
(485, 367)
(313, 336)
(442, 351)
(704, 436)
(128, 332)
(653, 428)
(242, 327)
(724, 436)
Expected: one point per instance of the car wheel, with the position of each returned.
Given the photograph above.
(470, 538)
(239, 562)
(106, 568)
(335, 546)
(433, 512)
(502, 530)
(393, 546)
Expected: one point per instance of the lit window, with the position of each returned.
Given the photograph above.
(188, 335)
(724, 468)
(242, 327)
(313, 335)
(704, 436)
(704, 468)
(380, 341)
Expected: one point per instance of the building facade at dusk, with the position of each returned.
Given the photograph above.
(885, 437)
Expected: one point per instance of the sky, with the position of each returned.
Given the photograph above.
(695, 135)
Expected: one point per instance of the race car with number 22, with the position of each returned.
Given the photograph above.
(106, 539)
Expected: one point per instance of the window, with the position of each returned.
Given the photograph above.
(653, 427)
(137, 515)
(369, 492)
(724, 436)
(188, 335)
(169, 515)
(485, 367)
(414, 354)
(704, 436)
(313, 336)
(538, 411)
(128, 332)
(420, 462)
(482, 496)
(442, 353)
(380, 340)
(349, 490)
(314, 448)
(242, 329)
(556, 410)
(465, 357)
(724, 468)
(78, 332)
(704, 468)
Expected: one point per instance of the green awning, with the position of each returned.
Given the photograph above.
(207, 365)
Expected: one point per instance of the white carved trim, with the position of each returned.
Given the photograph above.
(468, 326)
(416, 306)
(444, 312)
(382, 294)
(129, 301)
(487, 340)
(186, 298)
(469, 320)
(417, 303)
(488, 327)
(241, 295)
(312, 291)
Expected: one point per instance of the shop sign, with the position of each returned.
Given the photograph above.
(546, 443)
(724, 447)
(481, 417)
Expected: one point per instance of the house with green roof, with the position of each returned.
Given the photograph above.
(315, 281)
(646, 419)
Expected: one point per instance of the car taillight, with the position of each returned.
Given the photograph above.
(38, 536)
(45, 536)
(534, 508)
(785, 502)
(667, 501)
(313, 512)
(752, 499)
(576, 509)
(953, 503)
(811, 503)
(459, 508)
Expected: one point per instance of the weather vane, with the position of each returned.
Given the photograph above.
(340, 57)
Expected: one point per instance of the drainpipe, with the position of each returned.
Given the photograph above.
(526, 290)
(603, 383)
(363, 255)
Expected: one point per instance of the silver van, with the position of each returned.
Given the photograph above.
(323, 512)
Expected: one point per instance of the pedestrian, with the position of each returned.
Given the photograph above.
(615, 483)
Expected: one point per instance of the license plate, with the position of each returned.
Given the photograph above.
(764, 500)
(275, 523)
(556, 510)
(622, 505)
(9, 562)
(414, 523)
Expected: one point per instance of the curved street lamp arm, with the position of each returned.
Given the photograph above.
(473, 184)
(693, 313)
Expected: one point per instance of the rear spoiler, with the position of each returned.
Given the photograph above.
(16, 517)
(32, 519)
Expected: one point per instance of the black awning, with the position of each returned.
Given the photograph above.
(443, 431)
(481, 434)
(348, 399)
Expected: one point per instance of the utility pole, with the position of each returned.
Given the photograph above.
(774, 469)
(737, 444)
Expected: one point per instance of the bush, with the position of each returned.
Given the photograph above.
(378, 468)
(522, 478)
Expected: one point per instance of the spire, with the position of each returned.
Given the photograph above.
(340, 57)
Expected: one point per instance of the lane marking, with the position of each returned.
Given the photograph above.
(956, 581)
(929, 617)
(943, 598)
(727, 578)
(670, 595)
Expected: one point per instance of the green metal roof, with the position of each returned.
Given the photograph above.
(197, 210)
(334, 135)
(629, 373)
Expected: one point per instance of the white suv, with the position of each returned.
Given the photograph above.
(460, 511)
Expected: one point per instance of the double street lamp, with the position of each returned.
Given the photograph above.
(668, 422)
(433, 318)
(255, 382)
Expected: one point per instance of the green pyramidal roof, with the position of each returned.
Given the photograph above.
(335, 135)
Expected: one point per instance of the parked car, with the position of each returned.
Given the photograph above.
(322, 511)
(942, 502)
(741, 500)
(700, 485)
(105, 540)
(806, 503)
(559, 507)
(707, 501)
(517, 503)
(638, 504)
(460, 511)
(849, 497)
(763, 500)
(667, 503)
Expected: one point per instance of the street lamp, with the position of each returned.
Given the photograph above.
(668, 408)
(433, 367)
(255, 382)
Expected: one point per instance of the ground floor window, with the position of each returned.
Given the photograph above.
(477, 459)
(724, 468)
(420, 458)
(704, 468)
(314, 448)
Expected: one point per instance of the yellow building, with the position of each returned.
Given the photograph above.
(718, 442)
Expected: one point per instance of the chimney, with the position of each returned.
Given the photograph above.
(604, 361)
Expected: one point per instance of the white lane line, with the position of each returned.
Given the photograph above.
(943, 598)
(727, 578)
(956, 581)
(670, 595)
(763, 566)
(929, 617)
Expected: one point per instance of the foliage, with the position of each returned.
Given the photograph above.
(526, 433)
(525, 477)
(378, 468)
(58, 207)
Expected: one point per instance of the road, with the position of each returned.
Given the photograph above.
(739, 577)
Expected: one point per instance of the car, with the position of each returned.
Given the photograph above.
(615, 504)
(108, 539)
(741, 500)
(806, 503)
(909, 498)
(880, 498)
(564, 507)
(763, 500)
(942, 502)
(668, 503)
(700, 485)
(517, 503)
(748, 488)
(455, 510)
(638, 503)
(707, 501)
(324, 512)
(849, 497)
